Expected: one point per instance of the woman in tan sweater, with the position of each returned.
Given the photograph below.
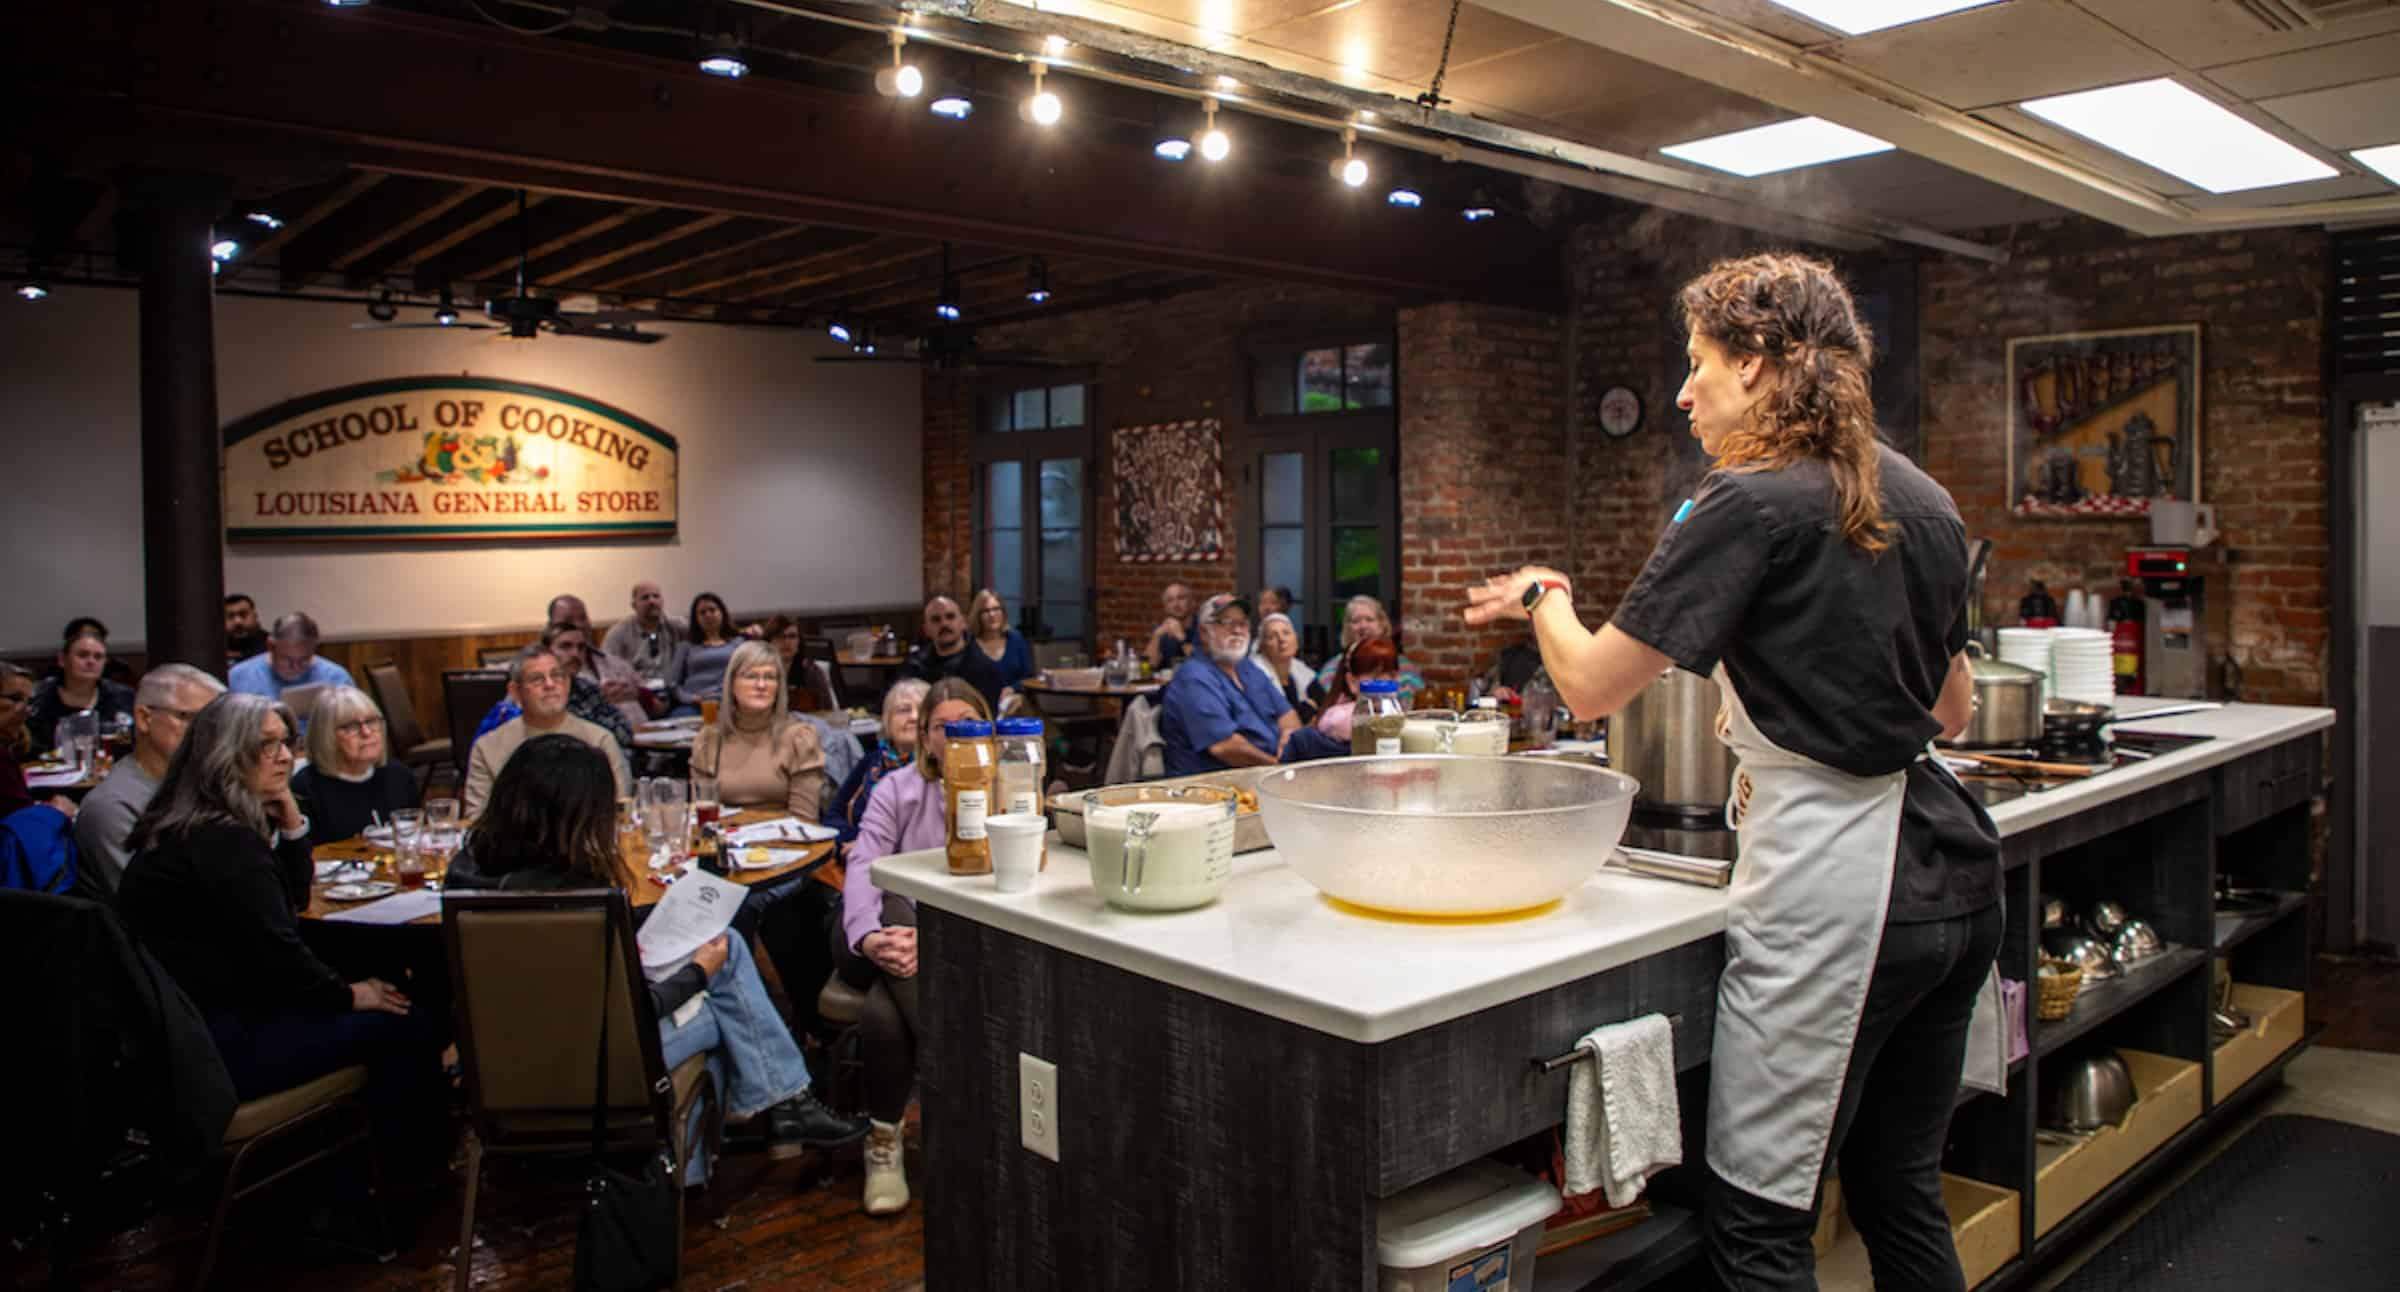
(758, 755)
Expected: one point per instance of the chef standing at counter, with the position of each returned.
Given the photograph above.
(1821, 579)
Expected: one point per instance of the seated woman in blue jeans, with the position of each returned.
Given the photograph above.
(551, 823)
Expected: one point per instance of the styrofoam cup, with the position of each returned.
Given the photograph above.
(1016, 848)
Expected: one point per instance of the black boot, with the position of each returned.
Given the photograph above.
(800, 1123)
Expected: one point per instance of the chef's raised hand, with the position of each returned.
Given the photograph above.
(1503, 595)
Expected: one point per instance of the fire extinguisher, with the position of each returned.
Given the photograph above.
(2125, 638)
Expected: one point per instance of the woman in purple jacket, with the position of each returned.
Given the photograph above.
(878, 951)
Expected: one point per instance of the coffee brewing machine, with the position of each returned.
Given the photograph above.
(2187, 595)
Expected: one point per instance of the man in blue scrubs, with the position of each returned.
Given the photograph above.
(1223, 710)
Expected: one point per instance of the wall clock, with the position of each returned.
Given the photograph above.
(1620, 411)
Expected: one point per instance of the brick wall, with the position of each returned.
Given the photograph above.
(2259, 297)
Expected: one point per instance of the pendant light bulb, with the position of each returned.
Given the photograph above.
(1349, 168)
(901, 80)
(1215, 144)
(446, 313)
(1037, 280)
(1042, 108)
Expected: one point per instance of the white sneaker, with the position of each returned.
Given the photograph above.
(887, 1174)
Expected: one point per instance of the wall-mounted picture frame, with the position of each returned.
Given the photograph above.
(2102, 423)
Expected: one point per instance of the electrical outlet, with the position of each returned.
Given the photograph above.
(1037, 1105)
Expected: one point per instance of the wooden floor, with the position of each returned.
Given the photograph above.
(793, 1224)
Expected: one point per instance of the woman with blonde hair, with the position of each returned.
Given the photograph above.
(760, 756)
(878, 934)
(349, 783)
(999, 656)
(1364, 619)
(1821, 578)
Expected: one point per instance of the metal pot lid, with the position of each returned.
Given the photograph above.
(1999, 672)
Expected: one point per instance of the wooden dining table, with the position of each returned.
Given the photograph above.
(1097, 691)
(641, 885)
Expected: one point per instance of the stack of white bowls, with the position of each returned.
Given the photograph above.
(2029, 647)
(2082, 666)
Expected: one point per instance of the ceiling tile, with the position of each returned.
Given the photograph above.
(2204, 35)
(1643, 126)
(2351, 116)
(2315, 69)
(1399, 39)
(1769, 17)
(2323, 190)
(2001, 54)
(1559, 77)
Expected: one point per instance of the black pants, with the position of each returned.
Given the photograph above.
(1889, 1128)
(887, 1025)
(267, 1050)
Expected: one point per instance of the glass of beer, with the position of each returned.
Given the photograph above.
(704, 801)
(708, 712)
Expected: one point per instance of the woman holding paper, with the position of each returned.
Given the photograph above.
(760, 756)
(551, 823)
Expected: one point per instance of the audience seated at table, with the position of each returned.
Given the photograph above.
(1171, 641)
(618, 683)
(537, 681)
(291, 660)
(1001, 657)
(170, 696)
(761, 755)
(1370, 659)
(45, 830)
(585, 697)
(349, 783)
(893, 750)
(878, 955)
(1278, 651)
(648, 638)
(244, 636)
(551, 824)
(942, 651)
(810, 682)
(1365, 619)
(221, 870)
(1276, 600)
(1225, 710)
(698, 670)
(79, 686)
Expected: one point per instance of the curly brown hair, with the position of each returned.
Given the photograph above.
(1792, 310)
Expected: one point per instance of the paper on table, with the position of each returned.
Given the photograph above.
(399, 908)
(51, 780)
(784, 829)
(698, 907)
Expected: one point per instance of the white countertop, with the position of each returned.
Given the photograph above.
(1273, 944)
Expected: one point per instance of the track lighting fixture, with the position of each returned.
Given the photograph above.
(224, 249)
(267, 220)
(1478, 213)
(866, 342)
(381, 309)
(1405, 196)
(839, 328)
(945, 306)
(1042, 108)
(901, 80)
(1349, 168)
(1037, 280)
(445, 313)
(723, 57)
(1172, 149)
(1215, 144)
(956, 107)
(347, 4)
(32, 289)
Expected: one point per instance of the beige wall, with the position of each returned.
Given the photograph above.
(801, 483)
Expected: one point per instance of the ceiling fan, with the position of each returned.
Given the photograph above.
(523, 315)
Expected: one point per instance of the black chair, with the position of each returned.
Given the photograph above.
(467, 695)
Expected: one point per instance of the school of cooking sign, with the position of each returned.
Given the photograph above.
(444, 458)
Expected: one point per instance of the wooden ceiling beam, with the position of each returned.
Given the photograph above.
(783, 286)
(831, 255)
(293, 226)
(501, 214)
(703, 257)
(438, 208)
(603, 260)
(551, 247)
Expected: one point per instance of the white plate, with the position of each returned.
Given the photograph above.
(379, 835)
(362, 892)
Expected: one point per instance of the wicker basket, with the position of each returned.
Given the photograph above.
(2057, 989)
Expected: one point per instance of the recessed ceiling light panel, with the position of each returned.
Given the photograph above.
(2384, 161)
(1786, 145)
(2167, 127)
(1855, 17)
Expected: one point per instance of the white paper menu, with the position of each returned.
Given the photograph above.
(697, 907)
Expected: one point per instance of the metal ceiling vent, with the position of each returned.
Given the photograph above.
(2308, 15)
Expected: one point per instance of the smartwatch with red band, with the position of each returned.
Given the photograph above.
(1539, 588)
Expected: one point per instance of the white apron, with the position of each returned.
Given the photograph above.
(1803, 925)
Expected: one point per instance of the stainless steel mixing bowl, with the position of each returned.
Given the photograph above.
(1433, 834)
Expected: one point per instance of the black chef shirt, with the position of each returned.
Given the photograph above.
(1838, 654)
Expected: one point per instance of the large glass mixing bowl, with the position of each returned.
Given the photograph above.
(1445, 835)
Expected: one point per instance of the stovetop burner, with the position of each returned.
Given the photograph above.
(1995, 787)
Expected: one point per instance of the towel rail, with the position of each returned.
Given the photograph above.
(1578, 1054)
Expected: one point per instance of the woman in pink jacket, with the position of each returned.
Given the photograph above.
(878, 952)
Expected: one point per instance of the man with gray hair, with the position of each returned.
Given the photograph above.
(169, 697)
(291, 660)
(538, 682)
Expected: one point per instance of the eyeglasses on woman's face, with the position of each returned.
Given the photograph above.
(357, 727)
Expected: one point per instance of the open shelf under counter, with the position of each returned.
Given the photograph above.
(2104, 1000)
(2234, 930)
(1626, 1261)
